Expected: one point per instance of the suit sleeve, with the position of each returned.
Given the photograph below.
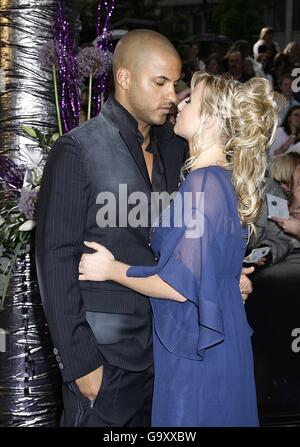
(61, 216)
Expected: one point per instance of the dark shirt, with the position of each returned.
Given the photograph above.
(158, 179)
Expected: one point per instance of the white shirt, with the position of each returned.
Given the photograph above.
(288, 104)
(280, 138)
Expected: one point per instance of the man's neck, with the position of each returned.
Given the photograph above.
(143, 127)
(145, 131)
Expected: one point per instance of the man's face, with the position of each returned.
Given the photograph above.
(151, 92)
(268, 37)
(286, 87)
(294, 120)
(235, 62)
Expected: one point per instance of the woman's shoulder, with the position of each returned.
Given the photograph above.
(205, 178)
(208, 172)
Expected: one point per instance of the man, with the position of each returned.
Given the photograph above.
(102, 331)
(268, 233)
(235, 67)
(265, 44)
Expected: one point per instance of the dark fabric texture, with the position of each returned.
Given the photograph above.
(95, 157)
(124, 400)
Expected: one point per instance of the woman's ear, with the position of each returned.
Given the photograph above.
(123, 78)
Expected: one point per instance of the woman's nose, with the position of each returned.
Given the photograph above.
(181, 105)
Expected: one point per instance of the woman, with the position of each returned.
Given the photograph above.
(292, 50)
(214, 65)
(202, 346)
(286, 89)
(282, 170)
(287, 137)
(286, 170)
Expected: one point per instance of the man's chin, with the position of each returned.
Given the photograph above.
(160, 120)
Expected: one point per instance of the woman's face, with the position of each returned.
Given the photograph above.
(286, 87)
(294, 120)
(296, 178)
(213, 67)
(248, 68)
(188, 116)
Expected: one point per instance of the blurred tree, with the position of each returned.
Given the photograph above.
(238, 19)
(141, 9)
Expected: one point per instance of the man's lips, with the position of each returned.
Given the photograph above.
(165, 109)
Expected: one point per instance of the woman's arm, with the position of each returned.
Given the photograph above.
(152, 286)
(112, 270)
(102, 266)
(284, 147)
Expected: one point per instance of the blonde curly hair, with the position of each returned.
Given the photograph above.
(247, 118)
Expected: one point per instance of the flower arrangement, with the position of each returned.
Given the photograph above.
(19, 186)
(20, 182)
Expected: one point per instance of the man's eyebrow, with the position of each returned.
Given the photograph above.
(166, 79)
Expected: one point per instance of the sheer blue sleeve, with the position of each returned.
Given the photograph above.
(191, 262)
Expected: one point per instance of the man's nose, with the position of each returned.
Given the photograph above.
(171, 95)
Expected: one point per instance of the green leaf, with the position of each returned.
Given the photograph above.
(55, 137)
(29, 130)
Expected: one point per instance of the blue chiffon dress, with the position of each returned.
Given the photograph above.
(203, 359)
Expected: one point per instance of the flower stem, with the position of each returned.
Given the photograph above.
(56, 101)
(102, 100)
(8, 276)
(90, 97)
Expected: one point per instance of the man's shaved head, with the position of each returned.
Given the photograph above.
(136, 47)
(146, 68)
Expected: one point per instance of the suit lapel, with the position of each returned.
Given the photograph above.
(172, 157)
(137, 154)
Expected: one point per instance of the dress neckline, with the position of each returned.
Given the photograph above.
(210, 166)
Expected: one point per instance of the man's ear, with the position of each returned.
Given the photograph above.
(123, 78)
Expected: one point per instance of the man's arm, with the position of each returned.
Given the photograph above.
(269, 234)
(61, 216)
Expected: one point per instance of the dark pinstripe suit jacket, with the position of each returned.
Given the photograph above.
(96, 157)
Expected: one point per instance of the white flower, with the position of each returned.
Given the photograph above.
(31, 158)
(27, 226)
(1, 220)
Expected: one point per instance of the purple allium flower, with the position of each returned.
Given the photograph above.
(11, 175)
(106, 57)
(27, 203)
(92, 61)
(47, 56)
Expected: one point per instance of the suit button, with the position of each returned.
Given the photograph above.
(149, 243)
(58, 358)
(55, 351)
(155, 259)
(61, 366)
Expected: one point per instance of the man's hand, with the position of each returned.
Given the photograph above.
(245, 283)
(290, 225)
(262, 262)
(90, 384)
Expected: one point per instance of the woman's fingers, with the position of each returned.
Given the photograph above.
(93, 245)
(247, 270)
